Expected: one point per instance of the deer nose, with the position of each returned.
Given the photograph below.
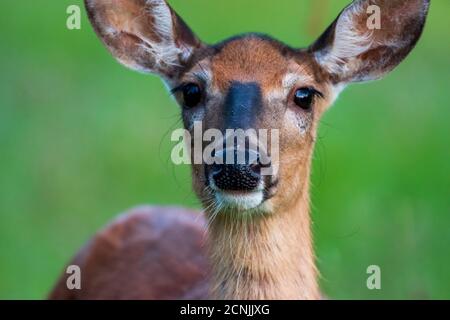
(237, 175)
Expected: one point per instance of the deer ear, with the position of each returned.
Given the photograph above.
(370, 38)
(144, 35)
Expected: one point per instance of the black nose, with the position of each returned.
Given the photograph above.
(236, 177)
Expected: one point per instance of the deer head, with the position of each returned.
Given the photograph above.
(254, 81)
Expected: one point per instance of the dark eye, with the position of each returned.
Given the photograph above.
(304, 98)
(192, 95)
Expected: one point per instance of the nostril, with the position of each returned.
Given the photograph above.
(216, 168)
(256, 168)
(258, 164)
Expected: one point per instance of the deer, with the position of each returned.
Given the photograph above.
(253, 239)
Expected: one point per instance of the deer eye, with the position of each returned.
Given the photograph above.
(304, 98)
(192, 95)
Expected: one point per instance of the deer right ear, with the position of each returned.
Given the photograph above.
(144, 35)
(354, 48)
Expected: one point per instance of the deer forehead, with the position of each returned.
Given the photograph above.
(274, 67)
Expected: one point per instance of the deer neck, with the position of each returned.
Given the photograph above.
(265, 257)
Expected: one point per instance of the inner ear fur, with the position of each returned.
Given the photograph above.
(350, 51)
(144, 35)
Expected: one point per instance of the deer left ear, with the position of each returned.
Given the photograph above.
(370, 38)
(144, 35)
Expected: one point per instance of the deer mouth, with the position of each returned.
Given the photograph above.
(246, 197)
(240, 201)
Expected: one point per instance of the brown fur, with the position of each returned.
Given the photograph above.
(266, 257)
(148, 253)
(267, 253)
(236, 61)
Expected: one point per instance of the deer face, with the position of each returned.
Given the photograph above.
(255, 82)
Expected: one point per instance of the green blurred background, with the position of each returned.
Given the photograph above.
(82, 139)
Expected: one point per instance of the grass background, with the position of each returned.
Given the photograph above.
(82, 139)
